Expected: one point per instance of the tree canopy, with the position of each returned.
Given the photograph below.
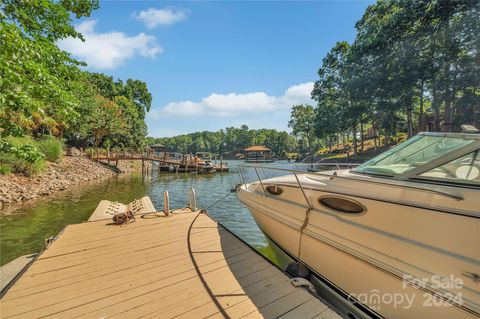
(38, 80)
(43, 90)
(302, 122)
(414, 66)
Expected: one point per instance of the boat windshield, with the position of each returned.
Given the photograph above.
(417, 151)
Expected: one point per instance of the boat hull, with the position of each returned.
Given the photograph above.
(375, 256)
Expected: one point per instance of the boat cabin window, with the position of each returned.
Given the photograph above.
(463, 169)
(417, 151)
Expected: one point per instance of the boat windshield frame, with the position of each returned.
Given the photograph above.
(416, 172)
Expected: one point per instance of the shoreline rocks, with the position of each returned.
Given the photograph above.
(57, 177)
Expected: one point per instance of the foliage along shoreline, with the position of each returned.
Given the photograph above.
(45, 93)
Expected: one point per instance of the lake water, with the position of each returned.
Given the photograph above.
(23, 228)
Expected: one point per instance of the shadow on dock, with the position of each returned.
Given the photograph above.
(251, 286)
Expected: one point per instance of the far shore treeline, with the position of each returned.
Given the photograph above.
(229, 141)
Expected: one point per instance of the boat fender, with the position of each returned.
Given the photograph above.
(302, 282)
(297, 269)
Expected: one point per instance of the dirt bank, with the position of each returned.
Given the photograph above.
(71, 171)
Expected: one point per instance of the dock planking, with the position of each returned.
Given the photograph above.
(183, 266)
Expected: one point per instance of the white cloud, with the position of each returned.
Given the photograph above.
(234, 104)
(110, 49)
(153, 17)
(154, 113)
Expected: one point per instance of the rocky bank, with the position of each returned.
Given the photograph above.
(71, 171)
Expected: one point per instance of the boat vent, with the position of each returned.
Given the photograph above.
(342, 204)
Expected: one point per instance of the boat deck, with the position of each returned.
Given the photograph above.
(157, 267)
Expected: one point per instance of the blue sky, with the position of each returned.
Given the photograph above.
(213, 64)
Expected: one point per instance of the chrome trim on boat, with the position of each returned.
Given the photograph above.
(261, 183)
(303, 191)
(473, 136)
(330, 176)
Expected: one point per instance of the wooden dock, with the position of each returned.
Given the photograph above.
(181, 266)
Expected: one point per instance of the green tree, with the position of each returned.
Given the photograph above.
(421, 48)
(411, 61)
(135, 101)
(302, 122)
(336, 103)
(105, 121)
(38, 79)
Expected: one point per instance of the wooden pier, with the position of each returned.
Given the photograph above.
(182, 266)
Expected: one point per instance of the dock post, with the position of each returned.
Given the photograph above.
(192, 199)
(166, 203)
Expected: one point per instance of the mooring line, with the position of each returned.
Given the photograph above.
(218, 201)
(197, 269)
(192, 257)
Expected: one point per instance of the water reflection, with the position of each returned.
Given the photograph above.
(24, 227)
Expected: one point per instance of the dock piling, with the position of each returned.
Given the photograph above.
(166, 203)
(192, 199)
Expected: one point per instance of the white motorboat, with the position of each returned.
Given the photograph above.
(399, 234)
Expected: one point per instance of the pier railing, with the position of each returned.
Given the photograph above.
(250, 173)
(259, 173)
